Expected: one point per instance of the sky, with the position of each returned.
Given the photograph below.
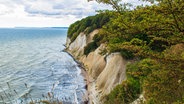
(47, 13)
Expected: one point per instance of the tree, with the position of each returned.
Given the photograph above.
(154, 36)
(116, 4)
(175, 9)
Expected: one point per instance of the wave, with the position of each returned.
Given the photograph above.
(37, 60)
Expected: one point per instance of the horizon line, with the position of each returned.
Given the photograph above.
(37, 27)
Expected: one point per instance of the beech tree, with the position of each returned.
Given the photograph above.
(154, 35)
(174, 8)
(117, 5)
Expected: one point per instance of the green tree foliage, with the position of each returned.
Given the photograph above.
(161, 82)
(165, 82)
(155, 36)
(124, 93)
(87, 25)
(90, 47)
(115, 3)
(152, 35)
(95, 44)
(156, 29)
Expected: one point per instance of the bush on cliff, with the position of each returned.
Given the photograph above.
(87, 25)
(90, 47)
(95, 44)
(153, 36)
(124, 93)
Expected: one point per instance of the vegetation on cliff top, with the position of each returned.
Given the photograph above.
(87, 25)
(154, 37)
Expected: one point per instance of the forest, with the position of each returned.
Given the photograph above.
(152, 37)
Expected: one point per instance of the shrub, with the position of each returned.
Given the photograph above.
(158, 78)
(127, 54)
(74, 37)
(124, 93)
(168, 84)
(89, 24)
(90, 47)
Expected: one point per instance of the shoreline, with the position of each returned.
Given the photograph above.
(84, 74)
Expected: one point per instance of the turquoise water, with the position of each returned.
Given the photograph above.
(33, 64)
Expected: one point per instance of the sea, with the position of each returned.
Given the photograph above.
(35, 67)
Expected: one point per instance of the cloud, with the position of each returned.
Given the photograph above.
(77, 8)
(57, 8)
(46, 12)
(60, 8)
(5, 10)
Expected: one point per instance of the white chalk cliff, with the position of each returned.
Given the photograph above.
(104, 71)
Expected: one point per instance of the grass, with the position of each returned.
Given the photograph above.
(8, 97)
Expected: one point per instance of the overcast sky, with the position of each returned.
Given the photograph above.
(46, 13)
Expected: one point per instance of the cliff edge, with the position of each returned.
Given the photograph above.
(105, 43)
(104, 71)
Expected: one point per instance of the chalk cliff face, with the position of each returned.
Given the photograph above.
(112, 74)
(94, 62)
(104, 71)
(77, 47)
